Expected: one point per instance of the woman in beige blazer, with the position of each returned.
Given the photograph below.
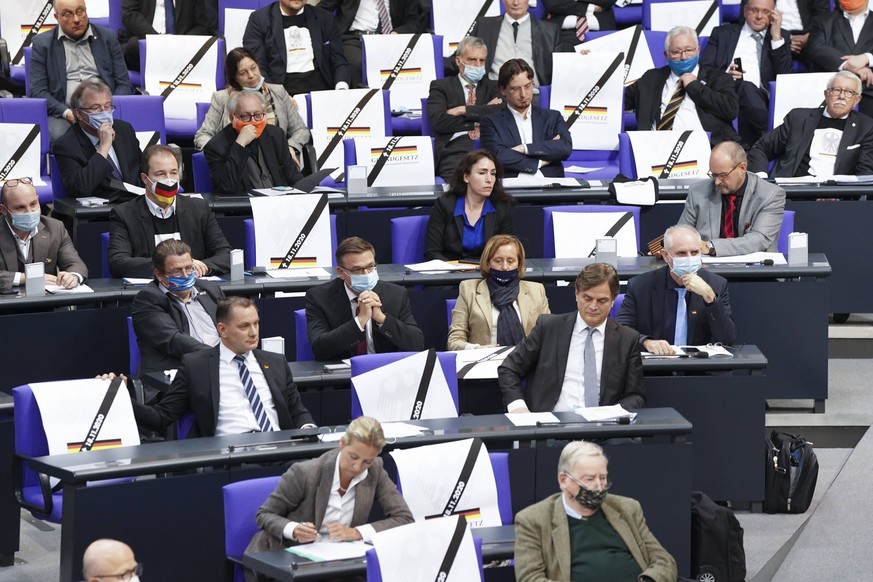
(242, 74)
(500, 308)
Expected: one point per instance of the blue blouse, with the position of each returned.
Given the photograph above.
(474, 234)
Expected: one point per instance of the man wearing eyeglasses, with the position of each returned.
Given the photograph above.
(586, 533)
(249, 153)
(357, 313)
(735, 211)
(752, 53)
(100, 153)
(107, 559)
(820, 142)
(28, 237)
(684, 95)
(80, 51)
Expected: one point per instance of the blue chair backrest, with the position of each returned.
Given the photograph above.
(407, 239)
(104, 255)
(426, 128)
(202, 110)
(500, 466)
(617, 305)
(450, 305)
(655, 39)
(304, 348)
(548, 221)
(115, 15)
(729, 12)
(132, 348)
(202, 175)
(241, 501)
(784, 230)
(27, 51)
(365, 363)
(30, 441)
(250, 254)
(58, 190)
(143, 112)
(374, 570)
(627, 164)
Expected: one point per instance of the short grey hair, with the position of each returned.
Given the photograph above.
(95, 85)
(677, 229)
(732, 150)
(574, 451)
(679, 31)
(848, 75)
(471, 42)
(237, 95)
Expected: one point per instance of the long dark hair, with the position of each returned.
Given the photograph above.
(231, 65)
(458, 187)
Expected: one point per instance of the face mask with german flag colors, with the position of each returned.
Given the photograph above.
(165, 190)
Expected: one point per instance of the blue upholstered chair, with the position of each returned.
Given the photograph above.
(784, 230)
(549, 228)
(374, 570)
(450, 306)
(304, 348)
(143, 112)
(202, 175)
(368, 362)
(407, 239)
(250, 254)
(32, 111)
(617, 305)
(241, 501)
(104, 255)
(132, 348)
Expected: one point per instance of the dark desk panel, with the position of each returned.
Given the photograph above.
(190, 505)
(10, 514)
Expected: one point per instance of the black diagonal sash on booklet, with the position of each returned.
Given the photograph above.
(186, 70)
(156, 135)
(466, 369)
(304, 232)
(482, 12)
(452, 550)
(613, 230)
(712, 8)
(595, 89)
(632, 50)
(350, 119)
(383, 159)
(674, 155)
(423, 385)
(19, 152)
(463, 478)
(100, 418)
(34, 30)
(404, 56)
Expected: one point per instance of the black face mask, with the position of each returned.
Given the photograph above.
(503, 277)
(590, 498)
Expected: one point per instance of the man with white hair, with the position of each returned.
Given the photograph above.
(819, 141)
(582, 533)
(679, 304)
(684, 95)
(110, 560)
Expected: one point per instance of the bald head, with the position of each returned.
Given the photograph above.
(106, 559)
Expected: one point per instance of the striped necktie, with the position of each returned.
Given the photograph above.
(384, 18)
(581, 28)
(252, 394)
(471, 100)
(669, 115)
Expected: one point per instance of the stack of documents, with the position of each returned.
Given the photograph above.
(605, 413)
(438, 266)
(324, 551)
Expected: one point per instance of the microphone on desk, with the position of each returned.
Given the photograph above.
(764, 263)
(621, 420)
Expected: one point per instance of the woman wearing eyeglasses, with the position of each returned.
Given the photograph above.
(243, 74)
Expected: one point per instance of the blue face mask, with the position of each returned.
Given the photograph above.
(473, 74)
(256, 87)
(686, 265)
(24, 221)
(95, 120)
(684, 66)
(181, 283)
(503, 277)
(365, 282)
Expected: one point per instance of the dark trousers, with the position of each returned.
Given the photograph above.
(354, 51)
(754, 117)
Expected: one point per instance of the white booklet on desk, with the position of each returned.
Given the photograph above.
(605, 413)
(324, 551)
(59, 290)
(438, 266)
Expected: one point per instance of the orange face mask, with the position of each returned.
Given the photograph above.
(852, 5)
(259, 125)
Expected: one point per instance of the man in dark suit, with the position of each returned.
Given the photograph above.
(798, 16)
(764, 51)
(820, 142)
(735, 212)
(525, 138)
(93, 52)
(174, 315)
(99, 152)
(142, 17)
(358, 314)
(232, 388)
(456, 105)
(517, 34)
(249, 153)
(843, 40)
(318, 63)
(577, 359)
(137, 226)
(682, 95)
(355, 18)
(576, 18)
(28, 237)
(679, 304)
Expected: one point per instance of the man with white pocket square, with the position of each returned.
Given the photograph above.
(820, 142)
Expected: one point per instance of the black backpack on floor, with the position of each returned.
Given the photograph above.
(717, 553)
(791, 472)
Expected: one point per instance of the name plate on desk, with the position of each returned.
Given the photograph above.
(34, 283)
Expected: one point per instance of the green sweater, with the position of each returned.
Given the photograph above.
(598, 552)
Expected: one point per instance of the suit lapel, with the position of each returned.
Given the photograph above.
(276, 391)
(525, 306)
(39, 246)
(483, 303)
(315, 32)
(509, 122)
(365, 491)
(214, 383)
(564, 337)
(807, 130)
(146, 223)
(610, 348)
(322, 494)
(659, 294)
(748, 203)
(848, 139)
(561, 539)
(714, 210)
(663, 74)
(9, 247)
(845, 30)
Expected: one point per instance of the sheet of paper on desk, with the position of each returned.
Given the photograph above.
(299, 273)
(580, 169)
(400, 430)
(438, 266)
(214, 278)
(324, 551)
(92, 201)
(777, 258)
(137, 281)
(273, 192)
(535, 180)
(531, 418)
(57, 289)
(605, 413)
(715, 351)
(650, 356)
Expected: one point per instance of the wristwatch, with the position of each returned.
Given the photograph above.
(711, 248)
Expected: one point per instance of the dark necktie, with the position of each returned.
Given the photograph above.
(170, 16)
(361, 348)
(669, 115)
(730, 210)
(515, 32)
(116, 172)
(252, 394)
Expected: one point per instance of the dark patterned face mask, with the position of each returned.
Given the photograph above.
(590, 498)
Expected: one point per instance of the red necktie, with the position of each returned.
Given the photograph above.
(471, 100)
(362, 345)
(727, 229)
(581, 27)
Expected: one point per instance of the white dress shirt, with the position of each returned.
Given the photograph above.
(686, 117)
(573, 389)
(747, 50)
(790, 14)
(159, 22)
(23, 249)
(367, 17)
(235, 414)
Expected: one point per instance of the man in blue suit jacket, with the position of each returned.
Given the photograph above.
(651, 301)
(96, 51)
(525, 139)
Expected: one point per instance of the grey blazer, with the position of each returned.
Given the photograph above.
(286, 117)
(759, 221)
(51, 245)
(303, 493)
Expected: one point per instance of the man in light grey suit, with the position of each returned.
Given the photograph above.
(735, 212)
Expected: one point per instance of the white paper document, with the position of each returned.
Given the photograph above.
(437, 266)
(301, 273)
(59, 290)
(137, 281)
(580, 169)
(324, 551)
(605, 413)
(523, 180)
(532, 418)
(777, 258)
(92, 201)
